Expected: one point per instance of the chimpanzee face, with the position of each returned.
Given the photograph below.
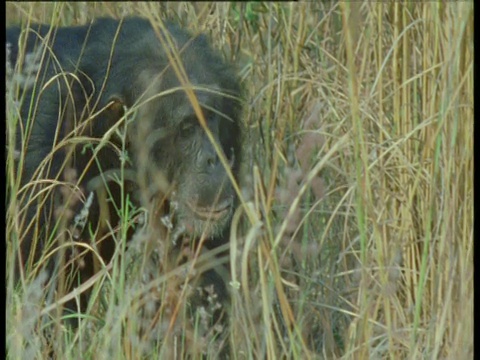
(183, 158)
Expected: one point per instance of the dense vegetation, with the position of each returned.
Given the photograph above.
(355, 235)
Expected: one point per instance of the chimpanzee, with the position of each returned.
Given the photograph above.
(153, 106)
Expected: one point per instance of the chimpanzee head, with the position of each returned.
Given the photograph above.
(187, 109)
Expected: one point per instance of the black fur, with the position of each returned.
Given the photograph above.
(76, 83)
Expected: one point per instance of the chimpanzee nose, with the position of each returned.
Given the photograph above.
(207, 158)
(212, 160)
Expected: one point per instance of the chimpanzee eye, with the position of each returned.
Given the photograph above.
(188, 126)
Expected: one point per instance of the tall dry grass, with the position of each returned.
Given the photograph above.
(355, 236)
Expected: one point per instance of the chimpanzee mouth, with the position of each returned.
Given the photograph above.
(212, 213)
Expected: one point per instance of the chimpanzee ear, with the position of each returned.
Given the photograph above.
(115, 108)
